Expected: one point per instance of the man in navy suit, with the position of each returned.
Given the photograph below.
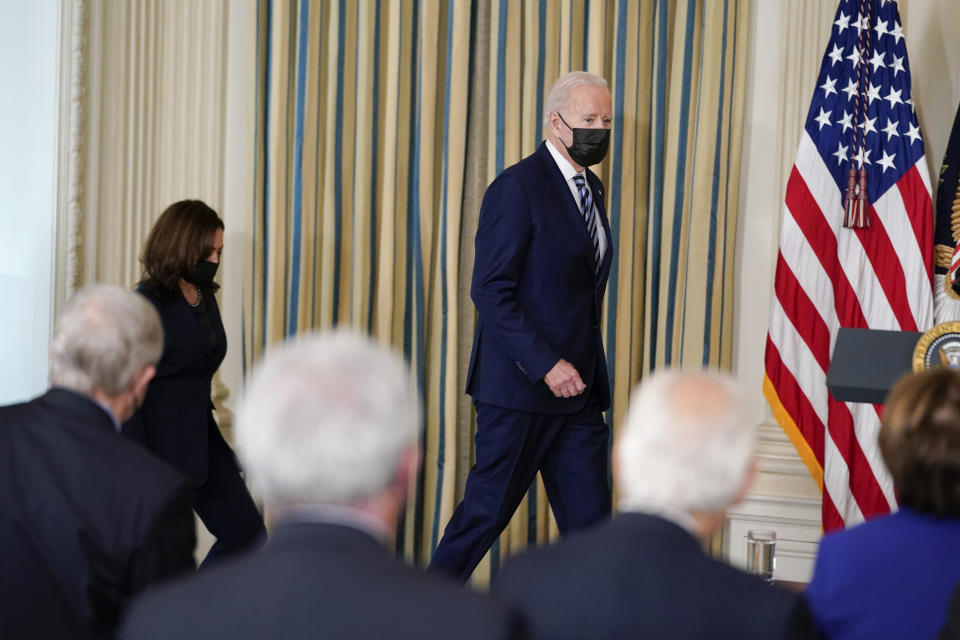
(538, 373)
(88, 519)
(683, 455)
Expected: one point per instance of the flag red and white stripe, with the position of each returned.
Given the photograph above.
(829, 276)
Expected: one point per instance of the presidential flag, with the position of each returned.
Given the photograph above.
(946, 267)
(856, 250)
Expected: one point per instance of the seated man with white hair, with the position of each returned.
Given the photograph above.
(683, 455)
(88, 519)
(328, 429)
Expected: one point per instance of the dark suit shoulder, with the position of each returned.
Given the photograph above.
(640, 576)
(321, 589)
(524, 169)
(92, 509)
(157, 295)
(148, 289)
(511, 182)
(512, 188)
(469, 614)
(81, 445)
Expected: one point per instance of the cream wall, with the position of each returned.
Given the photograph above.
(787, 42)
(29, 37)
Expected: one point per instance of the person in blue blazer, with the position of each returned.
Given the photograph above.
(893, 576)
(538, 373)
(176, 422)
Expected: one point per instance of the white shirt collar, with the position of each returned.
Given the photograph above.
(565, 167)
(568, 173)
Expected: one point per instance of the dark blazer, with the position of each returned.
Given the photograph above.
(87, 519)
(640, 576)
(176, 419)
(890, 577)
(317, 581)
(951, 629)
(537, 292)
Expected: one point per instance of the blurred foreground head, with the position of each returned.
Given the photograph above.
(920, 441)
(329, 418)
(685, 445)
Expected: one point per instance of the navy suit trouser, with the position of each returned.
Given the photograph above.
(571, 453)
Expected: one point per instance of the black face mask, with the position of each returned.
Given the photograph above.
(202, 274)
(589, 145)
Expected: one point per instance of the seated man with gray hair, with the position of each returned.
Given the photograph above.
(683, 455)
(328, 429)
(87, 518)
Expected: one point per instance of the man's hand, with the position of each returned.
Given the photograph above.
(564, 380)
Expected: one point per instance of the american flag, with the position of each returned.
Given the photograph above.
(830, 276)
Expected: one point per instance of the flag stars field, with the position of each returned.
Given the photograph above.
(828, 87)
(823, 118)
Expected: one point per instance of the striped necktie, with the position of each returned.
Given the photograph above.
(589, 219)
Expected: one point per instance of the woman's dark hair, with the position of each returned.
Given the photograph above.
(920, 441)
(181, 237)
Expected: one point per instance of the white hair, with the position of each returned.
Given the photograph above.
(326, 418)
(103, 337)
(559, 93)
(685, 444)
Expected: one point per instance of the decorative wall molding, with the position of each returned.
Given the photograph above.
(776, 453)
(796, 522)
(74, 53)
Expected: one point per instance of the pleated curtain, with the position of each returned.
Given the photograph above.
(379, 125)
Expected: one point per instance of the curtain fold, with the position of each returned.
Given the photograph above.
(380, 124)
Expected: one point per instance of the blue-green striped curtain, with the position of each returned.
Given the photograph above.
(381, 122)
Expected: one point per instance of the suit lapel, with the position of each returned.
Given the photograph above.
(559, 191)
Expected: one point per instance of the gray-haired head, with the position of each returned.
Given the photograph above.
(685, 444)
(327, 418)
(103, 338)
(559, 94)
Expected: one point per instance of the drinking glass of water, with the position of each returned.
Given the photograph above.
(761, 553)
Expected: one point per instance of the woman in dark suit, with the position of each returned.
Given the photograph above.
(892, 577)
(176, 421)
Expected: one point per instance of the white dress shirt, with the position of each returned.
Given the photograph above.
(568, 172)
